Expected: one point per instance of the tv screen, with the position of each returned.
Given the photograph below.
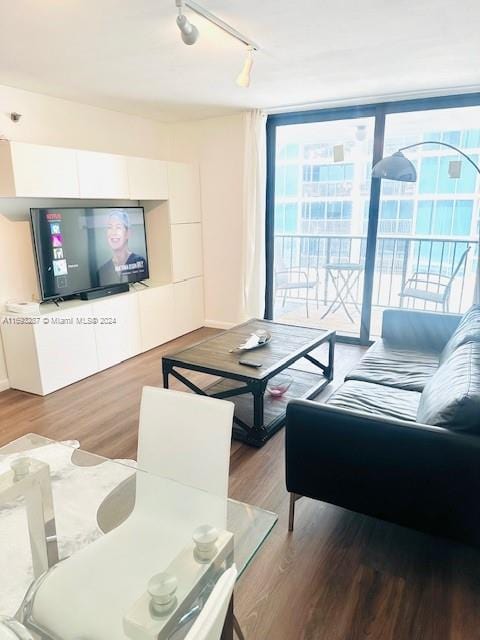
(82, 249)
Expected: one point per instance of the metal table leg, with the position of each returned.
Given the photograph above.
(343, 285)
(166, 368)
(331, 358)
(338, 300)
(258, 392)
(349, 282)
(30, 479)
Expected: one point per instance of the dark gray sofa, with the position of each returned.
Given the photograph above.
(400, 439)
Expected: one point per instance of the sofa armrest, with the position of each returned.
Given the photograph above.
(418, 329)
(417, 475)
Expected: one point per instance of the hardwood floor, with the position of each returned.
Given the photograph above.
(339, 575)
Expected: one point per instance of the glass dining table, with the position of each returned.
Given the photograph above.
(100, 549)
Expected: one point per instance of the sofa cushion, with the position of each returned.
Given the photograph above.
(391, 366)
(376, 399)
(452, 397)
(467, 331)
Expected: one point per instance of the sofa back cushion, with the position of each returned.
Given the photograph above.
(467, 331)
(451, 398)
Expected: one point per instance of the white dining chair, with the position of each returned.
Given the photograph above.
(186, 437)
(183, 437)
(210, 622)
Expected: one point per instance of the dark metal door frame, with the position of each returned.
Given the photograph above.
(373, 213)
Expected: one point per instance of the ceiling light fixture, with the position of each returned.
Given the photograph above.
(190, 34)
(188, 30)
(243, 78)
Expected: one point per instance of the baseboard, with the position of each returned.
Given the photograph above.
(4, 384)
(216, 324)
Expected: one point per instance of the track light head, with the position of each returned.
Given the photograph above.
(188, 30)
(243, 78)
(190, 34)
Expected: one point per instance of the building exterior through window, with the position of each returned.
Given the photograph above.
(322, 202)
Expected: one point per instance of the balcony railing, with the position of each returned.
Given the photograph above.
(397, 259)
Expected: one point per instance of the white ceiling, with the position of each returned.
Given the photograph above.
(127, 54)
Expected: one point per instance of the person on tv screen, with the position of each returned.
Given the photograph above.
(124, 265)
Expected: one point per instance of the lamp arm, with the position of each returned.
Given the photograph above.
(443, 144)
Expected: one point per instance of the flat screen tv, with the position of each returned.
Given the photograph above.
(80, 249)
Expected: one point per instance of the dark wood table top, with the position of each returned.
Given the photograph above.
(287, 343)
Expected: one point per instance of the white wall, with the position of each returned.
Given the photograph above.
(62, 123)
(218, 144)
(52, 121)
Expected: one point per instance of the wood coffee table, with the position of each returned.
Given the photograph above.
(255, 422)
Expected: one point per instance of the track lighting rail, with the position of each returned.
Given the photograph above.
(201, 11)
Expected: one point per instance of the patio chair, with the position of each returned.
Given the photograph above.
(296, 279)
(432, 287)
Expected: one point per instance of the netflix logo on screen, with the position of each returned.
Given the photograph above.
(53, 216)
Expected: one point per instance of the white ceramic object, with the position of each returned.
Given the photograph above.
(205, 538)
(161, 589)
(256, 340)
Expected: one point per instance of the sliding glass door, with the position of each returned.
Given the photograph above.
(321, 204)
(341, 246)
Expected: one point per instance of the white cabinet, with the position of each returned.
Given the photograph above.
(147, 179)
(41, 171)
(37, 171)
(188, 305)
(184, 193)
(102, 175)
(21, 355)
(117, 332)
(187, 255)
(66, 347)
(50, 351)
(157, 318)
(57, 348)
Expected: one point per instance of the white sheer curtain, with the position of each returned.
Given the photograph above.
(254, 191)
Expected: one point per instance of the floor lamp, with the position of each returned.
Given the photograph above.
(399, 167)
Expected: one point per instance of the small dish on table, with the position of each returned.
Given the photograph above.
(258, 339)
(279, 385)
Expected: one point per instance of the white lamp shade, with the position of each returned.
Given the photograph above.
(243, 78)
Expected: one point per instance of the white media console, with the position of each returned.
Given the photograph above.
(62, 345)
